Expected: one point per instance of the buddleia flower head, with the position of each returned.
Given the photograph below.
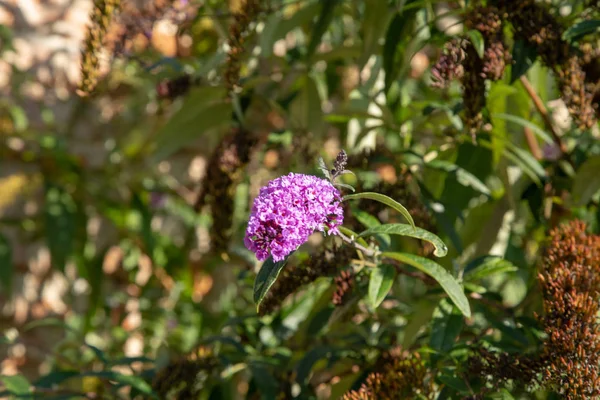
(288, 210)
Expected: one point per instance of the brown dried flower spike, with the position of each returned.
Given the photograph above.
(101, 17)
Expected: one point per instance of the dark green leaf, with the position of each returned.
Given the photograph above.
(450, 379)
(477, 41)
(398, 30)
(265, 381)
(388, 201)
(380, 283)
(374, 24)
(320, 27)
(463, 176)
(487, 266)
(204, 110)
(59, 212)
(306, 364)
(437, 272)
(446, 326)
(6, 266)
(16, 384)
(305, 111)
(94, 272)
(587, 181)
(581, 29)
(55, 378)
(523, 56)
(265, 278)
(406, 230)
(146, 224)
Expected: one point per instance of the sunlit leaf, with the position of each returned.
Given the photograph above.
(406, 230)
(463, 176)
(486, 266)
(437, 272)
(388, 201)
(477, 41)
(16, 384)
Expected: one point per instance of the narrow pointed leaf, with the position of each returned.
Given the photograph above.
(6, 267)
(380, 283)
(477, 41)
(388, 201)
(266, 278)
(437, 272)
(406, 230)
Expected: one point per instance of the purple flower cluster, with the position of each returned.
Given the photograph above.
(288, 210)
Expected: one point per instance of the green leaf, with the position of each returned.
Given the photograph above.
(450, 378)
(55, 378)
(266, 384)
(463, 176)
(527, 162)
(16, 384)
(374, 25)
(134, 381)
(59, 213)
(477, 41)
(445, 326)
(523, 56)
(503, 394)
(388, 201)
(146, 224)
(308, 361)
(485, 266)
(587, 181)
(380, 283)
(581, 29)
(265, 278)
(305, 111)
(6, 266)
(398, 30)
(406, 230)
(204, 110)
(320, 27)
(437, 272)
(523, 122)
(369, 221)
(277, 28)
(419, 318)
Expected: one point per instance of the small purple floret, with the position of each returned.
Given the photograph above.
(288, 210)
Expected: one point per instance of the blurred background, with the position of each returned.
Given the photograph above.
(135, 134)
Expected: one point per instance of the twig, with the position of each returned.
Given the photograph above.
(366, 251)
(532, 143)
(539, 105)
